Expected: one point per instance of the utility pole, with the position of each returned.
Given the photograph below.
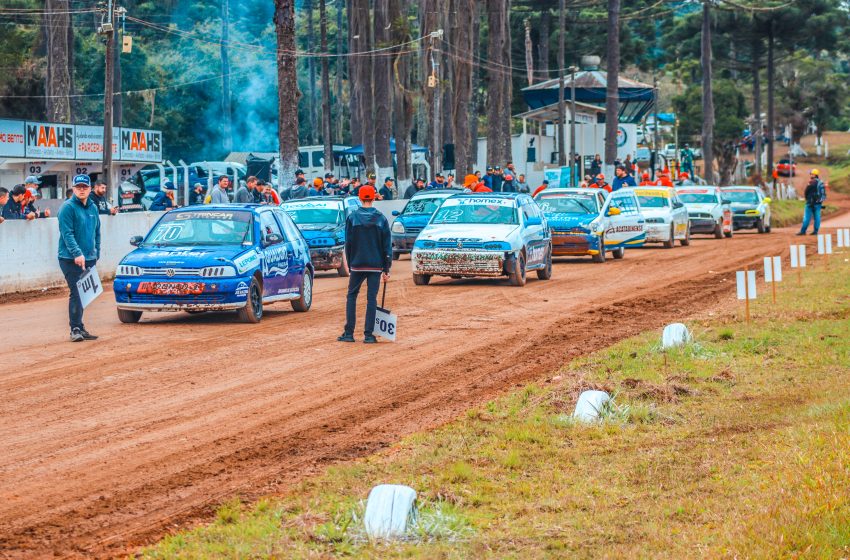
(657, 128)
(562, 112)
(573, 153)
(707, 96)
(107, 28)
(327, 138)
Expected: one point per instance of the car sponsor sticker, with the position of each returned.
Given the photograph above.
(276, 261)
(180, 253)
(241, 289)
(536, 254)
(692, 191)
(480, 201)
(623, 229)
(246, 262)
(663, 193)
(324, 204)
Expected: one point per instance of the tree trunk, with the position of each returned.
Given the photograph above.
(338, 69)
(464, 46)
(226, 100)
(499, 83)
(562, 110)
(448, 23)
(477, 100)
(757, 128)
(612, 101)
(287, 91)
(726, 161)
(529, 56)
(355, 125)
(312, 114)
(383, 89)
(363, 79)
(771, 111)
(403, 106)
(543, 45)
(707, 96)
(58, 90)
(431, 70)
(327, 135)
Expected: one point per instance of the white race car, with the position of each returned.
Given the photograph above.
(484, 234)
(707, 210)
(666, 216)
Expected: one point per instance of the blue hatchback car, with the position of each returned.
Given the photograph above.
(415, 216)
(216, 258)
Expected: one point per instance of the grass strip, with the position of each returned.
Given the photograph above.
(784, 213)
(737, 445)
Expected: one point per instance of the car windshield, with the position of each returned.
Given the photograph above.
(568, 204)
(423, 205)
(303, 216)
(204, 227)
(697, 198)
(653, 201)
(743, 197)
(477, 211)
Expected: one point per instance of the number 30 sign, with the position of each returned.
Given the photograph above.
(385, 324)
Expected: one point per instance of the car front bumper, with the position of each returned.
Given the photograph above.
(702, 225)
(403, 242)
(219, 294)
(327, 258)
(746, 221)
(658, 233)
(458, 263)
(574, 243)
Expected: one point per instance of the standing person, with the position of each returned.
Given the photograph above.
(596, 166)
(629, 165)
(488, 178)
(497, 180)
(197, 195)
(543, 186)
(508, 184)
(219, 191)
(687, 157)
(317, 189)
(450, 181)
(98, 196)
(4, 198)
(521, 185)
(645, 180)
(437, 183)
(299, 190)
(622, 179)
(245, 193)
(369, 253)
(79, 249)
(386, 191)
(415, 187)
(815, 197)
(354, 188)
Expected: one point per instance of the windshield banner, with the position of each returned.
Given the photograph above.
(663, 193)
(480, 201)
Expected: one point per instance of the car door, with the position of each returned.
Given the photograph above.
(680, 216)
(299, 251)
(276, 255)
(626, 228)
(533, 232)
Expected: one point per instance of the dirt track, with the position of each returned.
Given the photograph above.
(108, 445)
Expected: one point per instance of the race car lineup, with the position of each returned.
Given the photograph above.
(241, 257)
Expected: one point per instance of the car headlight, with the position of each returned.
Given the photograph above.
(398, 227)
(425, 244)
(218, 272)
(128, 270)
(594, 226)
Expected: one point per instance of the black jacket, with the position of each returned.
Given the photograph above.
(385, 192)
(815, 193)
(100, 203)
(368, 243)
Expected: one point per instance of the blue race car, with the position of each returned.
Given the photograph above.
(414, 217)
(216, 258)
(321, 220)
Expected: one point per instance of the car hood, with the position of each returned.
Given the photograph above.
(701, 207)
(414, 220)
(560, 221)
(657, 213)
(314, 231)
(184, 256)
(476, 232)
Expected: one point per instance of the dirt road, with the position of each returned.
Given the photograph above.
(108, 445)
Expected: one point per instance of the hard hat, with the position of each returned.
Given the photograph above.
(815, 172)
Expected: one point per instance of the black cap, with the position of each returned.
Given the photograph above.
(18, 190)
(299, 172)
(489, 169)
(328, 175)
(388, 179)
(545, 181)
(438, 175)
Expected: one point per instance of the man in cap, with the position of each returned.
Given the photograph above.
(497, 180)
(79, 249)
(164, 199)
(622, 179)
(317, 188)
(16, 208)
(386, 191)
(416, 186)
(197, 195)
(645, 180)
(245, 193)
(32, 183)
(369, 253)
(488, 178)
(543, 186)
(98, 196)
(815, 197)
(439, 182)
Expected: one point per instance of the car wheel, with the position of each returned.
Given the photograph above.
(304, 303)
(600, 256)
(619, 253)
(767, 227)
(670, 243)
(760, 225)
(129, 316)
(545, 273)
(253, 310)
(343, 268)
(687, 240)
(718, 230)
(421, 279)
(396, 255)
(517, 277)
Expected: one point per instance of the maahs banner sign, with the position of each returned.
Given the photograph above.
(50, 141)
(141, 145)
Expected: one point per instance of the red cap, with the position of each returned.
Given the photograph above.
(366, 192)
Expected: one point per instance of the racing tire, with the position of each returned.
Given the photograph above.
(304, 303)
(396, 255)
(343, 270)
(545, 273)
(670, 243)
(129, 316)
(619, 253)
(728, 234)
(600, 257)
(421, 279)
(687, 240)
(760, 226)
(253, 310)
(517, 277)
(718, 231)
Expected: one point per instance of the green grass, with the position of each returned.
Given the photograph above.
(784, 213)
(735, 446)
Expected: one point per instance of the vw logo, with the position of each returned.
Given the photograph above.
(169, 272)
(460, 244)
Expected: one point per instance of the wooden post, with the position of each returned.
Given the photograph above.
(747, 292)
(774, 286)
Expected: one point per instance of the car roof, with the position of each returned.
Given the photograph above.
(684, 187)
(219, 207)
(432, 192)
(315, 198)
(562, 190)
(742, 187)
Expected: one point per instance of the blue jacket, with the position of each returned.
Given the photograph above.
(161, 202)
(79, 230)
(618, 183)
(368, 242)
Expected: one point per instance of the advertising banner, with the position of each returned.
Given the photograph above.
(12, 139)
(90, 142)
(49, 140)
(141, 145)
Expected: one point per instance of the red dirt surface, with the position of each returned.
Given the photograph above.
(108, 445)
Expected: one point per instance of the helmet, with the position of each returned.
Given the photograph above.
(815, 172)
(317, 182)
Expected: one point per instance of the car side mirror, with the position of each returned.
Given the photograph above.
(396, 213)
(136, 240)
(614, 211)
(725, 201)
(677, 205)
(767, 200)
(272, 239)
(533, 221)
